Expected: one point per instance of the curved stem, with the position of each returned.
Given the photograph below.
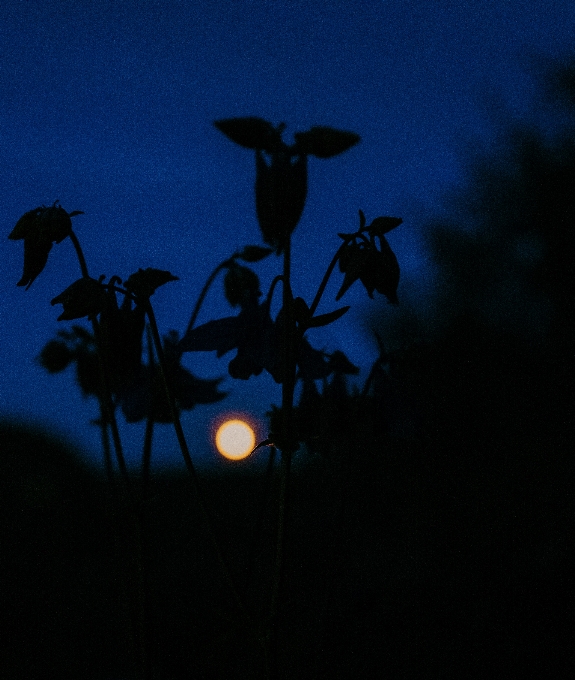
(80, 254)
(270, 294)
(208, 283)
(107, 403)
(263, 508)
(188, 460)
(326, 276)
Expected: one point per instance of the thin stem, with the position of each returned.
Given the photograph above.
(137, 633)
(263, 507)
(274, 283)
(109, 406)
(106, 446)
(288, 448)
(106, 401)
(80, 254)
(208, 283)
(188, 460)
(147, 455)
(147, 450)
(323, 284)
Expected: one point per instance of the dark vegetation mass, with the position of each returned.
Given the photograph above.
(430, 530)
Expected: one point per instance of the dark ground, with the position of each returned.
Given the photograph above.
(420, 562)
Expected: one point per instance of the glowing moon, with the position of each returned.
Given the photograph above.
(235, 439)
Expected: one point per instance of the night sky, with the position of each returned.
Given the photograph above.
(109, 108)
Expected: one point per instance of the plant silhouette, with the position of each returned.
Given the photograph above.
(427, 530)
(109, 364)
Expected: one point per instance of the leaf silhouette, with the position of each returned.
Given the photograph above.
(221, 336)
(381, 225)
(325, 319)
(325, 142)
(251, 132)
(144, 282)
(145, 397)
(254, 253)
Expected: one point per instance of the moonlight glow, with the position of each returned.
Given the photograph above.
(235, 439)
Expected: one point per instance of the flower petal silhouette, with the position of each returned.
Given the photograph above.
(84, 297)
(40, 228)
(281, 190)
(36, 251)
(144, 282)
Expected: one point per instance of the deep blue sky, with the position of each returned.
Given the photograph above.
(108, 107)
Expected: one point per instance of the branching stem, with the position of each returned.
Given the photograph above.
(323, 284)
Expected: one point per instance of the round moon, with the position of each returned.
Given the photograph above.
(235, 439)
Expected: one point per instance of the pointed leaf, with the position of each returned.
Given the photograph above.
(144, 282)
(76, 212)
(266, 442)
(251, 132)
(254, 253)
(325, 319)
(325, 142)
(381, 225)
(190, 390)
(221, 335)
(361, 220)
